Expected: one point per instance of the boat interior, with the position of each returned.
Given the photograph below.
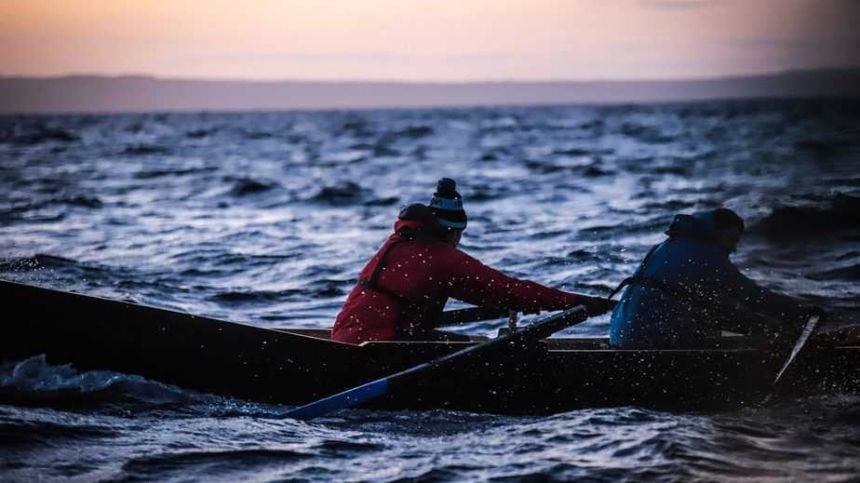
(727, 341)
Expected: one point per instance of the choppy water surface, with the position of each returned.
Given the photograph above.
(267, 218)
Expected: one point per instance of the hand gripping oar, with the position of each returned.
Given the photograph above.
(379, 387)
(476, 314)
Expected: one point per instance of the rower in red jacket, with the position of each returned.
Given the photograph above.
(402, 290)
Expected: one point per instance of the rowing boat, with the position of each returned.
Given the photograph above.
(295, 366)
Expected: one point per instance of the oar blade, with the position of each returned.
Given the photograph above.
(808, 329)
(342, 400)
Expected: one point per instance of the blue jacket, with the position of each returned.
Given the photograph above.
(709, 295)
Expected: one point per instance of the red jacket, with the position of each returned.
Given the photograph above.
(415, 281)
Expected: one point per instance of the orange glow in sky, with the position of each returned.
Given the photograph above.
(445, 40)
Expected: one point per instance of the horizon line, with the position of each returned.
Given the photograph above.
(158, 77)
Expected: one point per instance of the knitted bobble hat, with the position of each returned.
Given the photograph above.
(447, 205)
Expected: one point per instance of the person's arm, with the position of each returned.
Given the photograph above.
(765, 300)
(471, 281)
(778, 310)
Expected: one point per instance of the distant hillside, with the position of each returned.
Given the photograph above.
(134, 93)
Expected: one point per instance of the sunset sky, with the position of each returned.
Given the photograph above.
(442, 40)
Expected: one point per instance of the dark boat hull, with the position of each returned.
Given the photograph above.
(292, 367)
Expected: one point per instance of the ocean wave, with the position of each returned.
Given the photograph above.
(318, 289)
(494, 155)
(160, 173)
(851, 272)
(841, 213)
(251, 186)
(16, 432)
(342, 193)
(384, 201)
(412, 132)
(36, 262)
(383, 150)
(253, 296)
(486, 192)
(645, 133)
(72, 274)
(35, 381)
(48, 208)
(257, 135)
(325, 288)
(38, 133)
(214, 464)
(199, 133)
(593, 171)
(572, 152)
(80, 200)
(145, 150)
(355, 126)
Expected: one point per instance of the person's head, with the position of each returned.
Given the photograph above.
(447, 207)
(729, 228)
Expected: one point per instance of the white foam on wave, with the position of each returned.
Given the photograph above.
(36, 381)
(36, 375)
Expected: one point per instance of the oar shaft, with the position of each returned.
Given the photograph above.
(379, 387)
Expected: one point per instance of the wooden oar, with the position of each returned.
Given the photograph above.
(380, 387)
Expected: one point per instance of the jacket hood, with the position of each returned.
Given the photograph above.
(417, 219)
(699, 225)
(416, 226)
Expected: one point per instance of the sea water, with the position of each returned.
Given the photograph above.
(267, 218)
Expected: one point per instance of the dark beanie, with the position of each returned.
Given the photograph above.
(725, 218)
(447, 205)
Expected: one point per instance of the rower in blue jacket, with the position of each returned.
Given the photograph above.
(687, 290)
